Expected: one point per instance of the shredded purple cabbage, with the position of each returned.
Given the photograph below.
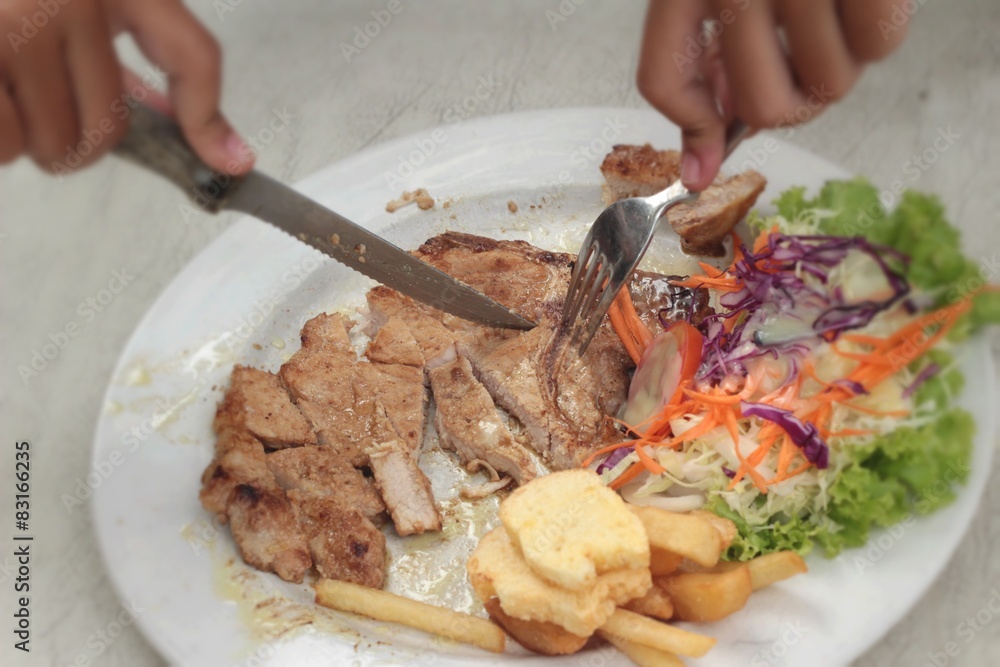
(614, 458)
(855, 388)
(728, 472)
(929, 371)
(774, 277)
(803, 434)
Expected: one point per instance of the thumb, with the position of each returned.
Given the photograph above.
(171, 37)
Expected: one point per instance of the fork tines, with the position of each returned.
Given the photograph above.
(590, 294)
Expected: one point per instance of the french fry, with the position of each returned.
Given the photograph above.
(383, 606)
(537, 636)
(638, 629)
(764, 570)
(726, 528)
(682, 534)
(662, 561)
(772, 568)
(644, 656)
(655, 603)
(708, 596)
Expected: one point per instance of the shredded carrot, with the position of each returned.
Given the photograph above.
(631, 473)
(737, 248)
(634, 334)
(716, 398)
(710, 270)
(647, 462)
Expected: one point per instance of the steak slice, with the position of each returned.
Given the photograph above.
(321, 379)
(320, 471)
(561, 402)
(263, 525)
(257, 402)
(239, 459)
(405, 488)
(401, 393)
(468, 423)
(562, 405)
(394, 344)
(522, 277)
(435, 340)
(237, 485)
(705, 222)
(640, 171)
(344, 544)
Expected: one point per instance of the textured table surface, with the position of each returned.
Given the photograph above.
(60, 241)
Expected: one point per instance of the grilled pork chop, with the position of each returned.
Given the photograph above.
(468, 423)
(349, 402)
(394, 344)
(238, 486)
(435, 340)
(640, 171)
(344, 544)
(320, 471)
(515, 273)
(561, 400)
(320, 379)
(257, 402)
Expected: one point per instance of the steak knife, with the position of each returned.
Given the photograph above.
(154, 141)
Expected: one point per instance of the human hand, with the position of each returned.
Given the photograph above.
(770, 63)
(63, 89)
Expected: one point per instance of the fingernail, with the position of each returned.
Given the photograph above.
(690, 168)
(237, 148)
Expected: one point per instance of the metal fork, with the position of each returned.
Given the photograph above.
(614, 247)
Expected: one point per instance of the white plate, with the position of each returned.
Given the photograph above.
(254, 287)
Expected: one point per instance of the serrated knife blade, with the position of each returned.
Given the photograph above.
(156, 142)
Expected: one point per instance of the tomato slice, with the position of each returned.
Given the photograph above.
(669, 361)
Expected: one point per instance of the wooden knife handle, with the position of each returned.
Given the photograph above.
(155, 141)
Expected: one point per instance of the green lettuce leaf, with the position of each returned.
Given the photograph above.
(909, 471)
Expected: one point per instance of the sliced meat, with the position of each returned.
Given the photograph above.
(257, 402)
(320, 471)
(562, 406)
(640, 171)
(239, 459)
(321, 378)
(515, 273)
(401, 393)
(435, 340)
(468, 423)
(268, 537)
(703, 224)
(562, 401)
(239, 486)
(344, 544)
(394, 344)
(405, 489)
